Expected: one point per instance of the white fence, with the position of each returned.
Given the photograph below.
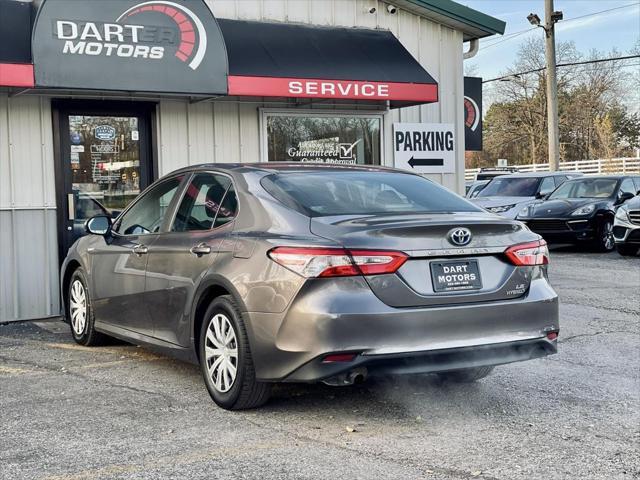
(627, 165)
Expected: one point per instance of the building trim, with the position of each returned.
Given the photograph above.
(472, 23)
(16, 75)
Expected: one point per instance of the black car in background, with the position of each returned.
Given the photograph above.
(581, 210)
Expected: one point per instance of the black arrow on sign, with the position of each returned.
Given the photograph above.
(426, 162)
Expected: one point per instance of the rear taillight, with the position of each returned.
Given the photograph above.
(528, 254)
(337, 262)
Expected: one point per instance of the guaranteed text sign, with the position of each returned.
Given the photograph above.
(424, 147)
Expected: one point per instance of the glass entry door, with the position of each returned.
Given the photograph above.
(105, 165)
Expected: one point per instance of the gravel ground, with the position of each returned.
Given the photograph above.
(69, 412)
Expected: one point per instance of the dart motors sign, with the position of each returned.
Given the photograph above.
(424, 147)
(148, 46)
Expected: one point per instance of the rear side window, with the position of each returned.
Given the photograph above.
(363, 193)
(228, 208)
(202, 203)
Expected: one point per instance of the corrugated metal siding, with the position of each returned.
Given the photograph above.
(230, 132)
(28, 240)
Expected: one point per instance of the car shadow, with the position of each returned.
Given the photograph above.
(396, 396)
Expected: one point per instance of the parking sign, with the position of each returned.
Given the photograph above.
(424, 147)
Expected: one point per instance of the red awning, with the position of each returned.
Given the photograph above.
(305, 61)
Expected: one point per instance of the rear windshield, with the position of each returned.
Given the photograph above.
(511, 187)
(363, 193)
(586, 188)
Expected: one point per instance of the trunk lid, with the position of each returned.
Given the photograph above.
(425, 239)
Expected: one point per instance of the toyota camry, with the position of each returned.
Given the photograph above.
(265, 273)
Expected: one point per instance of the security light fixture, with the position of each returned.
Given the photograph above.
(533, 19)
(391, 9)
(556, 16)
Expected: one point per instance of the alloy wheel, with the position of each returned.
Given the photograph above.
(221, 352)
(78, 307)
(607, 236)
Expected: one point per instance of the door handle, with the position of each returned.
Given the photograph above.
(201, 249)
(140, 250)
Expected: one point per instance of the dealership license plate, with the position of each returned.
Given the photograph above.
(454, 276)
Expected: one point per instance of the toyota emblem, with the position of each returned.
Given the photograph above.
(460, 236)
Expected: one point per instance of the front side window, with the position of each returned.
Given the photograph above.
(363, 193)
(627, 186)
(209, 201)
(547, 186)
(147, 214)
(341, 139)
(511, 187)
(560, 180)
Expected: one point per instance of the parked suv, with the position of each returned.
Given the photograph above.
(508, 194)
(301, 273)
(626, 226)
(581, 210)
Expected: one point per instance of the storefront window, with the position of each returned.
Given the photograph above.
(345, 139)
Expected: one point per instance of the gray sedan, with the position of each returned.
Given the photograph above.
(266, 273)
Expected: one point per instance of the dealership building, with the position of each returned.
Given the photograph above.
(100, 98)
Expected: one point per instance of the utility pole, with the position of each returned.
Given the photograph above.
(552, 87)
(551, 17)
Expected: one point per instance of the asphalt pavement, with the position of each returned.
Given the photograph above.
(120, 411)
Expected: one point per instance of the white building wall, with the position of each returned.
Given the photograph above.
(189, 133)
(220, 131)
(28, 238)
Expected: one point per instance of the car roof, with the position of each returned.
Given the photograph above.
(540, 174)
(597, 177)
(288, 167)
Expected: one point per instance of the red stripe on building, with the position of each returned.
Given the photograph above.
(339, 89)
(16, 75)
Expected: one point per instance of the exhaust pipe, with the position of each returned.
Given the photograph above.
(355, 376)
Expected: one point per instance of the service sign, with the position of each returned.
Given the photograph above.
(129, 45)
(424, 147)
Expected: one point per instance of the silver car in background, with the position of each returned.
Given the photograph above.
(266, 273)
(626, 226)
(508, 195)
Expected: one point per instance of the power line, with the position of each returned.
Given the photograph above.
(628, 65)
(603, 11)
(511, 36)
(559, 65)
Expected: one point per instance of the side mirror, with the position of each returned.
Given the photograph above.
(624, 197)
(542, 195)
(98, 225)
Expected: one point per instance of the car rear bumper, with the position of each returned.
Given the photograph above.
(432, 361)
(343, 315)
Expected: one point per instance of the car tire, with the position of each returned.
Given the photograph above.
(627, 250)
(230, 380)
(467, 375)
(80, 311)
(605, 241)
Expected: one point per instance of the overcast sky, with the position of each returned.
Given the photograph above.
(619, 28)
